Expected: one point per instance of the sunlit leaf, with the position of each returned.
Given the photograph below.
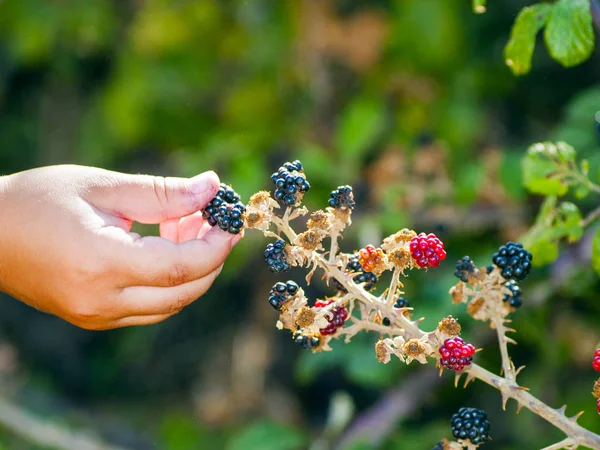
(596, 252)
(267, 436)
(360, 124)
(569, 34)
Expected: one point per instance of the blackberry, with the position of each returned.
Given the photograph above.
(401, 303)
(290, 183)
(596, 360)
(514, 298)
(306, 341)
(455, 354)
(368, 278)
(427, 250)
(464, 267)
(337, 319)
(513, 260)
(342, 198)
(225, 210)
(276, 257)
(471, 424)
(281, 293)
(440, 446)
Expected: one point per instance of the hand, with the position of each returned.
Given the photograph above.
(66, 246)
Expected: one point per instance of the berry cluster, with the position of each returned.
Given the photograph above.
(440, 446)
(370, 257)
(306, 341)
(596, 361)
(342, 198)
(514, 298)
(401, 303)
(337, 319)
(464, 267)
(471, 424)
(281, 293)
(276, 257)
(225, 210)
(455, 354)
(427, 250)
(368, 278)
(290, 183)
(513, 260)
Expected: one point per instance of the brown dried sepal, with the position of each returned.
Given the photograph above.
(253, 218)
(474, 307)
(596, 391)
(319, 220)
(449, 326)
(413, 348)
(287, 321)
(457, 293)
(382, 352)
(310, 240)
(398, 239)
(259, 199)
(400, 258)
(305, 317)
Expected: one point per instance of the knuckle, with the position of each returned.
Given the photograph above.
(161, 191)
(180, 301)
(178, 274)
(86, 315)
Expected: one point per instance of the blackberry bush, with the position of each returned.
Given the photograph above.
(455, 354)
(513, 261)
(305, 341)
(401, 303)
(342, 198)
(471, 424)
(464, 268)
(337, 319)
(596, 361)
(225, 210)
(514, 298)
(427, 250)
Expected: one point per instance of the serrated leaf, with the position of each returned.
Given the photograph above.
(596, 252)
(569, 34)
(267, 436)
(568, 222)
(519, 49)
(538, 169)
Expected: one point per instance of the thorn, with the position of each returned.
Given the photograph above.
(562, 409)
(519, 370)
(523, 388)
(468, 380)
(576, 417)
(510, 330)
(477, 350)
(441, 371)
(456, 378)
(510, 341)
(504, 401)
(519, 406)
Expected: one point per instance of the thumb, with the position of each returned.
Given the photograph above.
(153, 199)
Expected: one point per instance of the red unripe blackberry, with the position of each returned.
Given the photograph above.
(598, 405)
(370, 257)
(455, 354)
(427, 250)
(596, 361)
(336, 318)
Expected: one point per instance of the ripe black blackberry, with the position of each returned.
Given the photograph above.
(276, 257)
(281, 293)
(440, 446)
(401, 303)
(514, 298)
(225, 210)
(464, 267)
(513, 260)
(471, 424)
(369, 278)
(290, 183)
(342, 198)
(306, 341)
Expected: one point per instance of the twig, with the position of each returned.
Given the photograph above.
(593, 215)
(508, 367)
(567, 443)
(44, 433)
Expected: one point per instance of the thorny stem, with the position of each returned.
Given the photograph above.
(392, 291)
(508, 387)
(507, 366)
(334, 247)
(567, 443)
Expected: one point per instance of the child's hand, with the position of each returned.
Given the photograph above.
(66, 248)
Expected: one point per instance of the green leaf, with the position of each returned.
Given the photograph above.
(542, 163)
(267, 436)
(479, 6)
(360, 124)
(596, 252)
(569, 34)
(543, 252)
(519, 49)
(568, 222)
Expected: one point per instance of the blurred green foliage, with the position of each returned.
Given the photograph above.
(407, 100)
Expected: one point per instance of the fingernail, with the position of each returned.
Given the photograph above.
(204, 182)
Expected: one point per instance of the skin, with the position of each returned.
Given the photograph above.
(66, 246)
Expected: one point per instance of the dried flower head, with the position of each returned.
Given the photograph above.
(449, 327)
(596, 391)
(458, 293)
(259, 211)
(476, 310)
(319, 220)
(417, 349)
(400, 258)
(398, 240)
(310, 240)
(382, 352)
(305, 317)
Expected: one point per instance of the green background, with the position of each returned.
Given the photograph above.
(409, 101)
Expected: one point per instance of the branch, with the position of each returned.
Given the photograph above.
(590, 217)
(567, 443)
(508, 368)
(44, 433)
